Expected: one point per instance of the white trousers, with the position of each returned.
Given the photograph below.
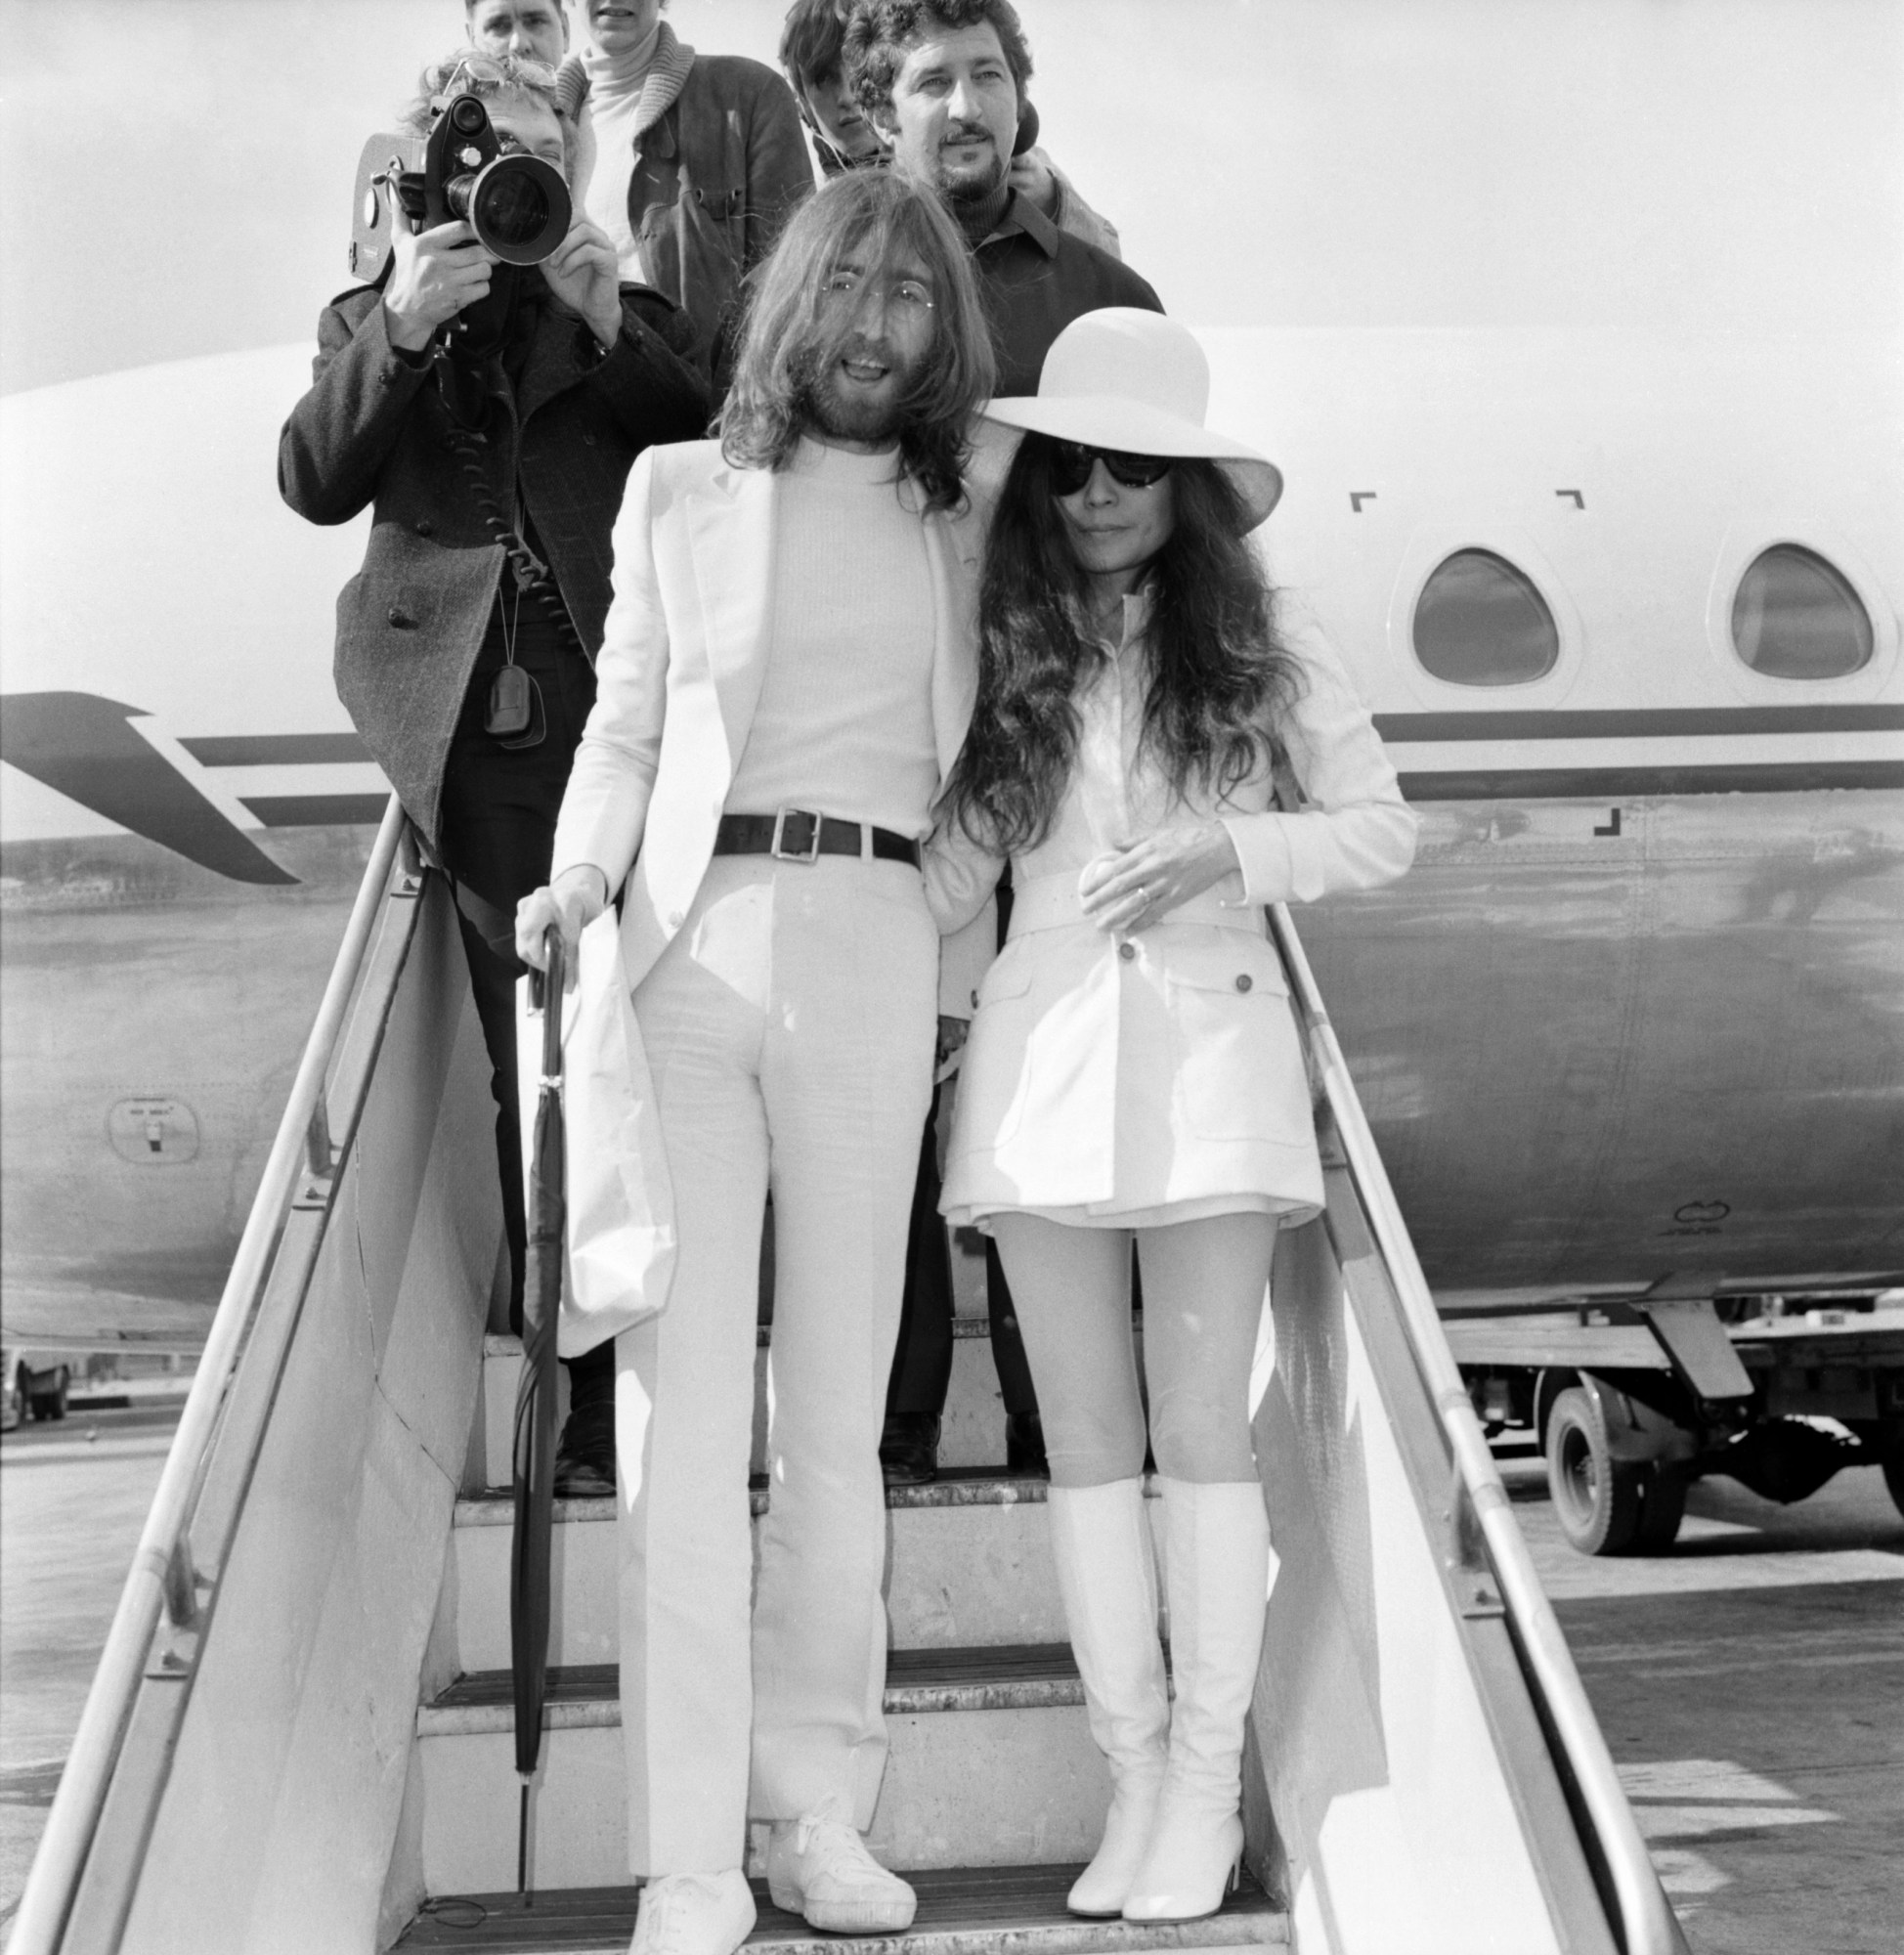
(788, 1029)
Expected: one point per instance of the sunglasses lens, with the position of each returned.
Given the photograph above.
(1137, 471)
(1071, 466)
(1072, 463)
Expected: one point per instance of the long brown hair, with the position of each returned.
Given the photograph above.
(875, 219)
(1219, 674)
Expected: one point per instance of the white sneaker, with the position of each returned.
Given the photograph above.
(820, 1868)
(694, 1914)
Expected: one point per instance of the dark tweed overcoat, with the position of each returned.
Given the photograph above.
(373, 429)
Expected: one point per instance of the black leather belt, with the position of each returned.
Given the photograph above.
(797, 835)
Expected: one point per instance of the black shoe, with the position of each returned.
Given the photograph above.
(585, 1456)
(909, 1448)
(1024, 1444)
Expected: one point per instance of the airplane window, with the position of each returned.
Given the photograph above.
(1481, 621)
(1795, 616)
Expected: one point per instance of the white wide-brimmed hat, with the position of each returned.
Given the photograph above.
(1126, 379)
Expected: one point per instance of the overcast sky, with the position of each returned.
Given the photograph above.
(177, 173)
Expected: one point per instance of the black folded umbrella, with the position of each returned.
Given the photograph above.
(534, 1429)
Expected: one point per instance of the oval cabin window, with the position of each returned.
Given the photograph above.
(1796, 615)
(1481, 621)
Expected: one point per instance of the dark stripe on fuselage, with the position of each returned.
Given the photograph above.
(1657, 724)
(276, 750)
(316, 810)
(1633, 782)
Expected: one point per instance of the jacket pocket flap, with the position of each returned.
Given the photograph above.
(1251, 971)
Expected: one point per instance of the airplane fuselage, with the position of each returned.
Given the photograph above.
(1638, 1008)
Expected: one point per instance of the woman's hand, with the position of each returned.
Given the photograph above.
(582, 273)
(1127, 889)
(572, 903)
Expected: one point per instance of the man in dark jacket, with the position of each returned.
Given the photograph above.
(942, 82)
(465, 643)
(689, 162)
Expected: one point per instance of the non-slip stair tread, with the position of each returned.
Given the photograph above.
(955, 1487)
(974, 1668)
(962, 1911)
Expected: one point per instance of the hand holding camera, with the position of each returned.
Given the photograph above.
(434, 275)
(583, 275)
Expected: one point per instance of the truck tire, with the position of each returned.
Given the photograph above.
(1662, 1507)
(51, 1401)
(1598, 1498)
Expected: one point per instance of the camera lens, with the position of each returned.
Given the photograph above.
(518, 205)
(466, 114)
(513, 209)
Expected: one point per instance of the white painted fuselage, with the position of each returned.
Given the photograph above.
(1638, 1008)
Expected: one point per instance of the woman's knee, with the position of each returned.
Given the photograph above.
(1087, 1449)
(1201, 1442)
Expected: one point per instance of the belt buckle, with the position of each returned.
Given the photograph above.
(777, 849)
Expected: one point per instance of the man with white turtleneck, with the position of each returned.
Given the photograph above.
(784, 684)
(689, 162)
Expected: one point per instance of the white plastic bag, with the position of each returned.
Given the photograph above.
(621, 1202)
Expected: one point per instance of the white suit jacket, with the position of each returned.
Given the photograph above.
(679, 675)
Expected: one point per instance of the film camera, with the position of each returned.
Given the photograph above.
(517, 204)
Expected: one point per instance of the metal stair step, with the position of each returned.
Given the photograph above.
(1024, 1677)
(1016, 1910)
(969, 1563)
(990, 1762)
(972, 1431)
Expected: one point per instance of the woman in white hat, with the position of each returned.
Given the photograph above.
(1132, 1071)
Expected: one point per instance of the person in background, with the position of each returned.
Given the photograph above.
(689, 162)
(943, 85)
(461, 584)
(813, 57)
(530, 29)
(1134, 1073)
(785, 683)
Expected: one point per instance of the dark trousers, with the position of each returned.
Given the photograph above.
(921, 1362)
(496, 834)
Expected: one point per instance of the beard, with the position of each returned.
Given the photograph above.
(975, 188)
(833, 408)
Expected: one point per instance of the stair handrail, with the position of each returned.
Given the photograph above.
(1647, 1925)
(161, 1557)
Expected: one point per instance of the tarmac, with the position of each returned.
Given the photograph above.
(1750, 1683)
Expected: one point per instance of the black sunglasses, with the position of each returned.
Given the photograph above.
(1071, 466)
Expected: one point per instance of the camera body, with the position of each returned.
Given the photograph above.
(517, 204)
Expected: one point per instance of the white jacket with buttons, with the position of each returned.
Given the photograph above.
(1130, 1081)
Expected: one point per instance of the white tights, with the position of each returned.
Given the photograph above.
(1203, 1286)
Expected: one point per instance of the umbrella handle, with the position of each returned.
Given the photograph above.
(552, 1002)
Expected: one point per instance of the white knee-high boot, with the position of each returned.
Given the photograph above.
(1216, 1566)
(1107, 1578)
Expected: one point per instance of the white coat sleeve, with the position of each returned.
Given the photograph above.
(605, 806)
(960, 877)
(1358, 831)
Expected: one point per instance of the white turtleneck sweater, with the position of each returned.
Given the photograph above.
(615, 84)
(844, 725)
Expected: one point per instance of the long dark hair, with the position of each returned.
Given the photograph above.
(876, 218)
(1219, 674)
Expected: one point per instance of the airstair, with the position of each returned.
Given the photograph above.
(299, 1737)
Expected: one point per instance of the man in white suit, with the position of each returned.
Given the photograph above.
(785, 682)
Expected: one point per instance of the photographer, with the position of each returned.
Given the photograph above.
(489, 414)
